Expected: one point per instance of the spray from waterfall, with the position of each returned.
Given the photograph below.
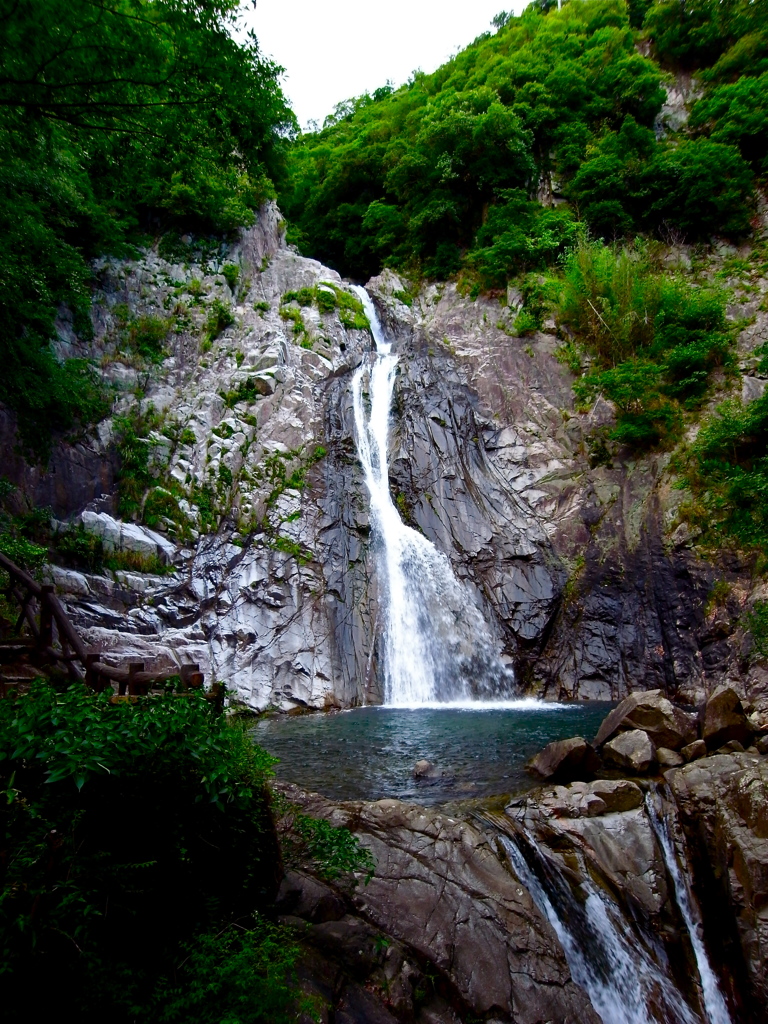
(625, 984)
(714, 1003)
(436, 645)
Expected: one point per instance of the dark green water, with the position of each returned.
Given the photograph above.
(369, 753)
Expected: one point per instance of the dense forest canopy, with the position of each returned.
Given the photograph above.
(119, 119)
(443, 173)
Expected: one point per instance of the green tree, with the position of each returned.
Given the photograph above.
(118, 119)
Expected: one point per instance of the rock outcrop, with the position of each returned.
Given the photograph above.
(723, 805)
(445, 903)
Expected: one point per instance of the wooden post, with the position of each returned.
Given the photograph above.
(134, 688)
(186, 672)
(45, 639)
(195, 681)
(92, 678)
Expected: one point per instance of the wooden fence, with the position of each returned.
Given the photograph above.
(42, 612)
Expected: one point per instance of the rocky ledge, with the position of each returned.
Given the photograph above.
(443, 933)
(447, 929)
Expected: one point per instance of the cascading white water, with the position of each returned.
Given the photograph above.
(624, 984)
(714, 1003)
(436, 646)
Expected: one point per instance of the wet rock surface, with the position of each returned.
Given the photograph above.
(569, 759)
(448, 908)
(723, 805)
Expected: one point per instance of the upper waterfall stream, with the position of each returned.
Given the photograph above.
(437, 648)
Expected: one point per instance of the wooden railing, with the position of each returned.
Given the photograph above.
(41, 611)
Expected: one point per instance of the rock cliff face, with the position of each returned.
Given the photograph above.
(588, 585)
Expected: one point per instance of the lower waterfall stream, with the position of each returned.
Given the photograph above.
(624, 982)
(437, 648)
(712, 998)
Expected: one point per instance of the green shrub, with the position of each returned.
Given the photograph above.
(160, 504)
(325, 299)
(757, 622)
(131, 836)
(243, 974)
(654, 340)
(517, 236)
(726, 469)
(135, 561)
(134, 449)
(147, 336)
(231, 274)
(219, 317)
(79, 548)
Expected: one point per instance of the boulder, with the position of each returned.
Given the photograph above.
(694, 751)
(667, 725)
(565, 760)
(426, 770)
(762, 745)
(302, 896)
(669, 758)
(724, 719)
(632, 751)
(617, 794)
(731, 747)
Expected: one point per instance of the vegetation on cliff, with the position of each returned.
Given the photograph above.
(119, 120)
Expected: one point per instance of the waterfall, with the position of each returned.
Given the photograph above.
(715, 1007)
(436, 645)
(623, 981)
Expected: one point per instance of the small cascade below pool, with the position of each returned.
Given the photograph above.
(437, 648)
(625, 983)
(715, 1007)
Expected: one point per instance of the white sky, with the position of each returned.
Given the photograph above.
(335, 49)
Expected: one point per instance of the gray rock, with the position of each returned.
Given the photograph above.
(565, 760)
(724, 719)
(694, 750)
(669, 758)
(617, 794)
(667, 725)
(633, 751)
(300, 895)
(731, 747)
(426, 770)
